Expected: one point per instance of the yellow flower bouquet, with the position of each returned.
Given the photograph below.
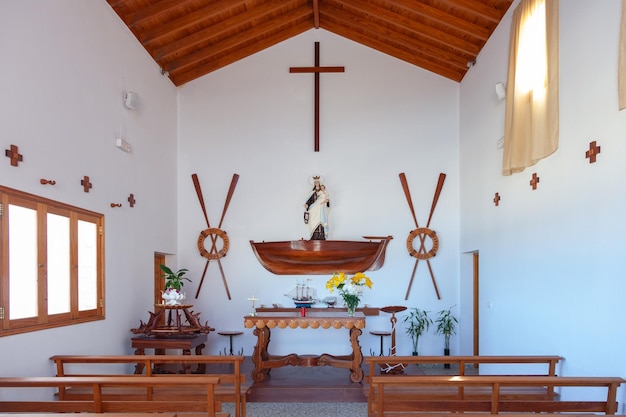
(350, 288)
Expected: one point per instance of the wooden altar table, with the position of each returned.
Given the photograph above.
(263, 322)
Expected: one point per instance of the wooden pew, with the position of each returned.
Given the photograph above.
(548, 362)
(99, 404)
(482, 393)
(232, 388)
(545, 365)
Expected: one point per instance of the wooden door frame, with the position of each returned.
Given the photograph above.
(476, 301)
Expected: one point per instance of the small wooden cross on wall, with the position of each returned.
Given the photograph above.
(86, 184)
(15, 156)
(496, 199)
(593, 151)
(131, 200)
(534, 181)
(316, 70)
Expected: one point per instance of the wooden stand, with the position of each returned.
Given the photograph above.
(397, 368)
(176, 325)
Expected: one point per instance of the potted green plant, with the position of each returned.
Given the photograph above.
(417, 322)
(174, 282)
(446, 325)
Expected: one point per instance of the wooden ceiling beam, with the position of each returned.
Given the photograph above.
(399, 41)
(443, 18)
(199, 16)
(204, 68)
(371, 12)
(479, 8)
(234, 43)
(265, 13)
(154, 11)
(454, 75)
(316, 14)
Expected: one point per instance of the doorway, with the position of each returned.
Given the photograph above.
(159, 280)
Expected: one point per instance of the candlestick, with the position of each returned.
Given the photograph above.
(253, 311)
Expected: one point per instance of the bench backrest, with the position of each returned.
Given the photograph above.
(100, 405)
(550, 361)
(226, 367)
(385, 398)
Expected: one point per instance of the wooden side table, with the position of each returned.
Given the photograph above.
(231, 334)
(382, 335)
(160, 345)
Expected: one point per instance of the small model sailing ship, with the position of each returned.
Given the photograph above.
(302, 295)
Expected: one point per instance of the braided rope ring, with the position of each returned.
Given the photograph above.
(213, 254)
(422, 254)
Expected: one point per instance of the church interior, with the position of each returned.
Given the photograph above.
(191, 166)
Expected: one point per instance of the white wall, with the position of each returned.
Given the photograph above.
(65, 66)
(551, 260)
(378, 119)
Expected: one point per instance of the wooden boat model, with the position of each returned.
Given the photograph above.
(321, 257)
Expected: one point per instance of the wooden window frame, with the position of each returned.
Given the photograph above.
(44, 320)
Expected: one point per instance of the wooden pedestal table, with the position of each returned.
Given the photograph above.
(264, 362)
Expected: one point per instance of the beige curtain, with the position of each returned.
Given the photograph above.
(531, 127)
(621, 76)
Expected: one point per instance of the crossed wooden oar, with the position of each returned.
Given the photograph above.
(421, 233)
(214, 233)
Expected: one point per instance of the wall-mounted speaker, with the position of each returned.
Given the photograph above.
(500, 91)
(131, 100)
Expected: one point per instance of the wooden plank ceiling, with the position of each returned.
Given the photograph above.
(191, 38)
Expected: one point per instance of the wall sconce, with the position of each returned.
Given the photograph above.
(131, 100)
(500, 91)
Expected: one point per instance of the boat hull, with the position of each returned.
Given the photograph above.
(321, 257)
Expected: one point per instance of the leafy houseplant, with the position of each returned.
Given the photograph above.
(174, 280)
(446, 325)
(417, 322)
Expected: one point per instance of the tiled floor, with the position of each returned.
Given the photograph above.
(302, 409)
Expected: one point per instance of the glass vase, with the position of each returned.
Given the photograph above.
(351, 308)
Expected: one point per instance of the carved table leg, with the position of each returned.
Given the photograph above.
(356, 374)
(201, 366)
(260, 353)
(139, 366)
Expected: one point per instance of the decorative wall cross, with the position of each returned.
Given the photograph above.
(496, 199)
(131, 200)
(534, 181)
(86, 184)
(15, 156)
(316, 70)
(593, 151)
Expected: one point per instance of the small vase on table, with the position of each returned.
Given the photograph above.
(351, 308)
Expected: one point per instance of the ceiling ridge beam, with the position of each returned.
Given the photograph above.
(443, 17)
(210, 66)
(367, 11)
(316, 14)
(224, 45)
(188, 42)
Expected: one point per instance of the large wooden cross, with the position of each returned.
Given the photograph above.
(316, 70)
